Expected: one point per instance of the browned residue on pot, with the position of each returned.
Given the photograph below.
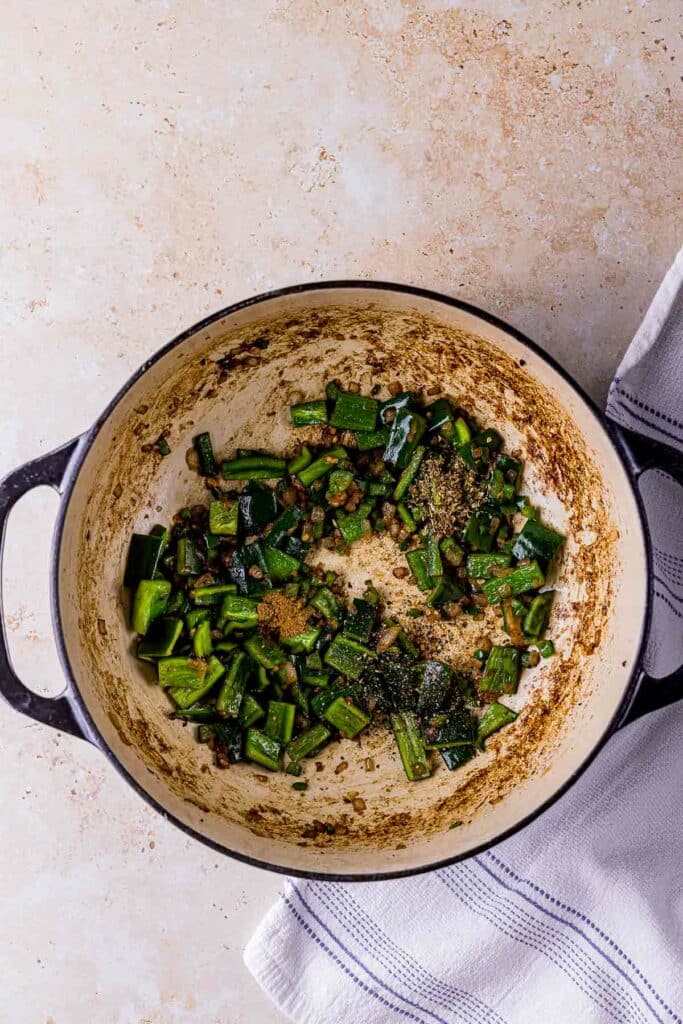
(238, 383)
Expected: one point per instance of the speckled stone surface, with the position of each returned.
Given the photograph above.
(160, 160)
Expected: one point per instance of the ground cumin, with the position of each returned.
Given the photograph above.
(282, 614)
(447, 491)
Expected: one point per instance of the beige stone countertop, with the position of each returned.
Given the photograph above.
(160, 160)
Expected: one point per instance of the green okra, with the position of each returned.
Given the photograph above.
(410, 743)
(149, 602)
(306, 414)
(262, 750)
(495, 717)
(518, 581)
(353, 412)
(501, 673)
(308, 742)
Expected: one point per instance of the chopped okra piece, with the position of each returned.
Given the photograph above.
(234, 685)
(361, 622)
(454, 757)
(348, 657)
(305, 641)
(346, 717)
(161, 638)
(197, 615)
(501, 674)
(284, 525)
(300, 461)
(536, 619)
(367, 440)
(196, 713)
(308, 742)
(406, 517)
(315, 679)
(202, 644)
(338, 483)
(243, 610)
(406, 433)
(411, 747)
(187, 673)
(452, 729)
(254, 467)
(149, 602)
(409, 473)
(306, 414)
(494, 718)
(463, 434)
(223, 517)
(228, 738)
(537, 542)
(323, 465)
(250, 711)
(518, 581)
(204, 449)
(143, 557)
(439, 416)
(280, 721)
(417, 560)
(211, 593)
(433, 561)
(262, 750)
(257, 506)
(486, 566)
(546, 649)
(353, 525)
(281, 566)
(353, 412)
(264, 652)
(189, 561)
(185, 695)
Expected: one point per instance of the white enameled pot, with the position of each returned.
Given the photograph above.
(234, 374)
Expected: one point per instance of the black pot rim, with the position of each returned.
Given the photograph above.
(73, 694)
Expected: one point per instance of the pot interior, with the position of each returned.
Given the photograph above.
(235, 377)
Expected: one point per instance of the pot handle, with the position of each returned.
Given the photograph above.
(55, 711)
(642, 454)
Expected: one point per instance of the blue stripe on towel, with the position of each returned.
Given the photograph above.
(671, 593)
(507, 924)
(396, 961)
(344, 967)
(556, 944)
(670, 604)
(359, 963)
(644, 406)
(618, 402)
(673, 564)
(587, 921)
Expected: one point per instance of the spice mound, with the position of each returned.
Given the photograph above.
(283, 615)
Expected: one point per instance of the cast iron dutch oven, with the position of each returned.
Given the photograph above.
(233, 374)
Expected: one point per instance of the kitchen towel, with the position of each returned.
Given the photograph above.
(577, 919)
